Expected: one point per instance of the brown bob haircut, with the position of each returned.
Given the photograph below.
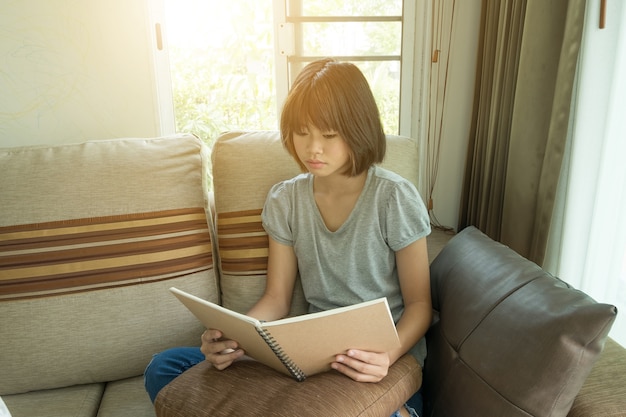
(335, 96)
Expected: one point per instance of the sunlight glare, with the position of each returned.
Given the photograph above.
(197, 24)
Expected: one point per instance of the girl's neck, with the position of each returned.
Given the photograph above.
(339, 184)
(336, 197)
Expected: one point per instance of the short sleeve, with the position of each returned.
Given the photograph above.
(276, 214)
(407, 219)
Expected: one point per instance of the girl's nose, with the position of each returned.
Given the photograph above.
(315, 144)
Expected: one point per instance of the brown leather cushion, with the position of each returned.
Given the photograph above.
(248, 388)
(512, 340)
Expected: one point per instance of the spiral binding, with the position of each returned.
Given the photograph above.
(293, 369)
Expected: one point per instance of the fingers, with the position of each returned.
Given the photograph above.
(220, 353)
(362, 366)
(210, 336)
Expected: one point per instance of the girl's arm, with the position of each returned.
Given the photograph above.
(414, 275)
(282, 268)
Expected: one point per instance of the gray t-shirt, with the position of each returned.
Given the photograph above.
(356, 262)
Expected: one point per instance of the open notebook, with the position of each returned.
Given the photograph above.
(304, 345)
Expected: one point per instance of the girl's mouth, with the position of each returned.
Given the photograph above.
(315, 164)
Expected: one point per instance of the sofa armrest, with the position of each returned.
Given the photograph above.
(512, 340)
(604, 391)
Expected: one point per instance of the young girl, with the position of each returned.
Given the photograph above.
(354, 231)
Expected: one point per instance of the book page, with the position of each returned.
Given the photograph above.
(313, 340)
(233, 325)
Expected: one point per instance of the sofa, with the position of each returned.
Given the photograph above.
(93, 235)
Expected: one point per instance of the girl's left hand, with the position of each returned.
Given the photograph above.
(363, 366)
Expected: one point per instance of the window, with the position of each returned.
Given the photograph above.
(221, 63)
(367, 33)
(231, 64)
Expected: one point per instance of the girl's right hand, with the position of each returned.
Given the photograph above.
(220, 353)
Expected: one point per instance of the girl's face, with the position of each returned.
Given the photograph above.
(323, 153)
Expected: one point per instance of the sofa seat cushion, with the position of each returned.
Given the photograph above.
(512, 340)
(76, 401)
(126, 398)
(248, 388)
(600, 396)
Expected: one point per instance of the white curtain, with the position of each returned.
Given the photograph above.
(588, 239)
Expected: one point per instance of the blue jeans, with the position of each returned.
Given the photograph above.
(167, 365)
(415, 404)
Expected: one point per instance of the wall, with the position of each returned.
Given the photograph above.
(72, 70)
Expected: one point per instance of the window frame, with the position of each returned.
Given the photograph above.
(284, 53)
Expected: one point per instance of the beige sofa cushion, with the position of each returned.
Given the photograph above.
(126, 398)
(91, 237)
(245, 166)
(75, 401)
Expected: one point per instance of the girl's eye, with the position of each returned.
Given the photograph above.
(330, 135)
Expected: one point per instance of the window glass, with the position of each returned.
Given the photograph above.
(222, 65)
(351, 38)
(346, 8)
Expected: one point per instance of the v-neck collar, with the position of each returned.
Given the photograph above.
(348, 220)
